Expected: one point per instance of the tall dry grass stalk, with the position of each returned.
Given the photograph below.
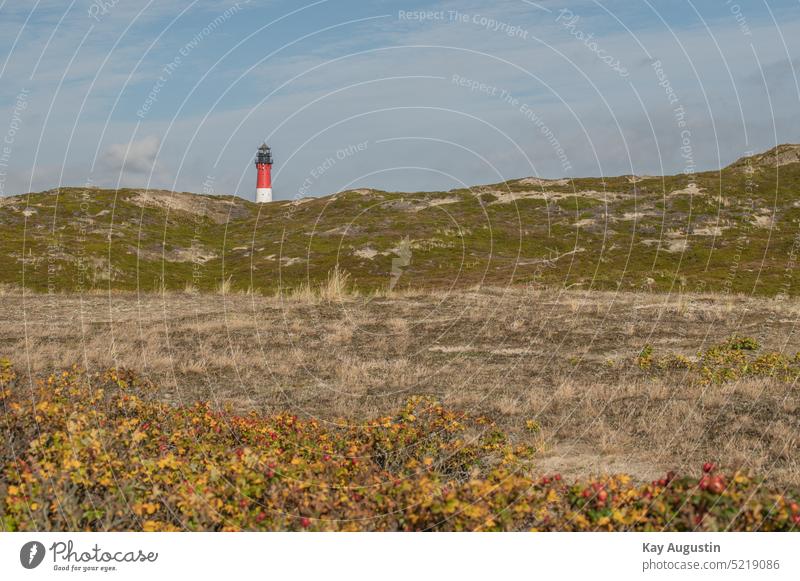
(335, 288)
(161, 287)
(224, 287)
(301, 294)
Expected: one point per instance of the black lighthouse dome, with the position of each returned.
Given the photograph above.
(264, 155)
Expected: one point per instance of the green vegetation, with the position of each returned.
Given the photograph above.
(729, 361)
(731, 231)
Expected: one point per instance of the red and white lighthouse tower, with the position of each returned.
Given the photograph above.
(264, 181)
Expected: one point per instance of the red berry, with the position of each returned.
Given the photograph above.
(305, 522)
(794, 508)
(708, 467)
(261, 516)
(557, 477)
(602, 496)
(586, 493)
(717, 485)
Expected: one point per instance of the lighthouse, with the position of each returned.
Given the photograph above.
(264, 180)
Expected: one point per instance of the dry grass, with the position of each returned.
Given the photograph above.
(224, 286)
(335, 288)
(563, 360)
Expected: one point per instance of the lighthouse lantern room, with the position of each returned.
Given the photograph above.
(264, 181)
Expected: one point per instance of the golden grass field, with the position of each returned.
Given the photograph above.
(555, 369)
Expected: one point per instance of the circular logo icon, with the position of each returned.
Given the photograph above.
(31, 554)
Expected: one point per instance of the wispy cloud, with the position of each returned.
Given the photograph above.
(343, 72)
(136, 157)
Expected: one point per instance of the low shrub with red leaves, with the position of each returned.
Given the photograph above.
(96, 453)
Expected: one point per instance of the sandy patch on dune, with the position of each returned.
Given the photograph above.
(367, 253)
(668, 244)
(543, 182)
(194, 255)
(762, 221)
(677, 245)
(633, 215)
(217, 209)
(299, 202)
(435, 202)
(691, 190)
(708, 231)
(508, 197)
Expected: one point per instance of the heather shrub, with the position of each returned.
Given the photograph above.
(98, 452)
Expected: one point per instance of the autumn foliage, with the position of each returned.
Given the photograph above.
(96, 452)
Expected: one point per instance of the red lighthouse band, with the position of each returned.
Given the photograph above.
(264, 180)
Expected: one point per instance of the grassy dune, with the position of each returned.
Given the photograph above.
(725, 231)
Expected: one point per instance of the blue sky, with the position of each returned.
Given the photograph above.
(403, 96)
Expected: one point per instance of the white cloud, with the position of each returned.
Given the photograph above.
(135, 158)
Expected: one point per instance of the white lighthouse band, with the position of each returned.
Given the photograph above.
(263, 195)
